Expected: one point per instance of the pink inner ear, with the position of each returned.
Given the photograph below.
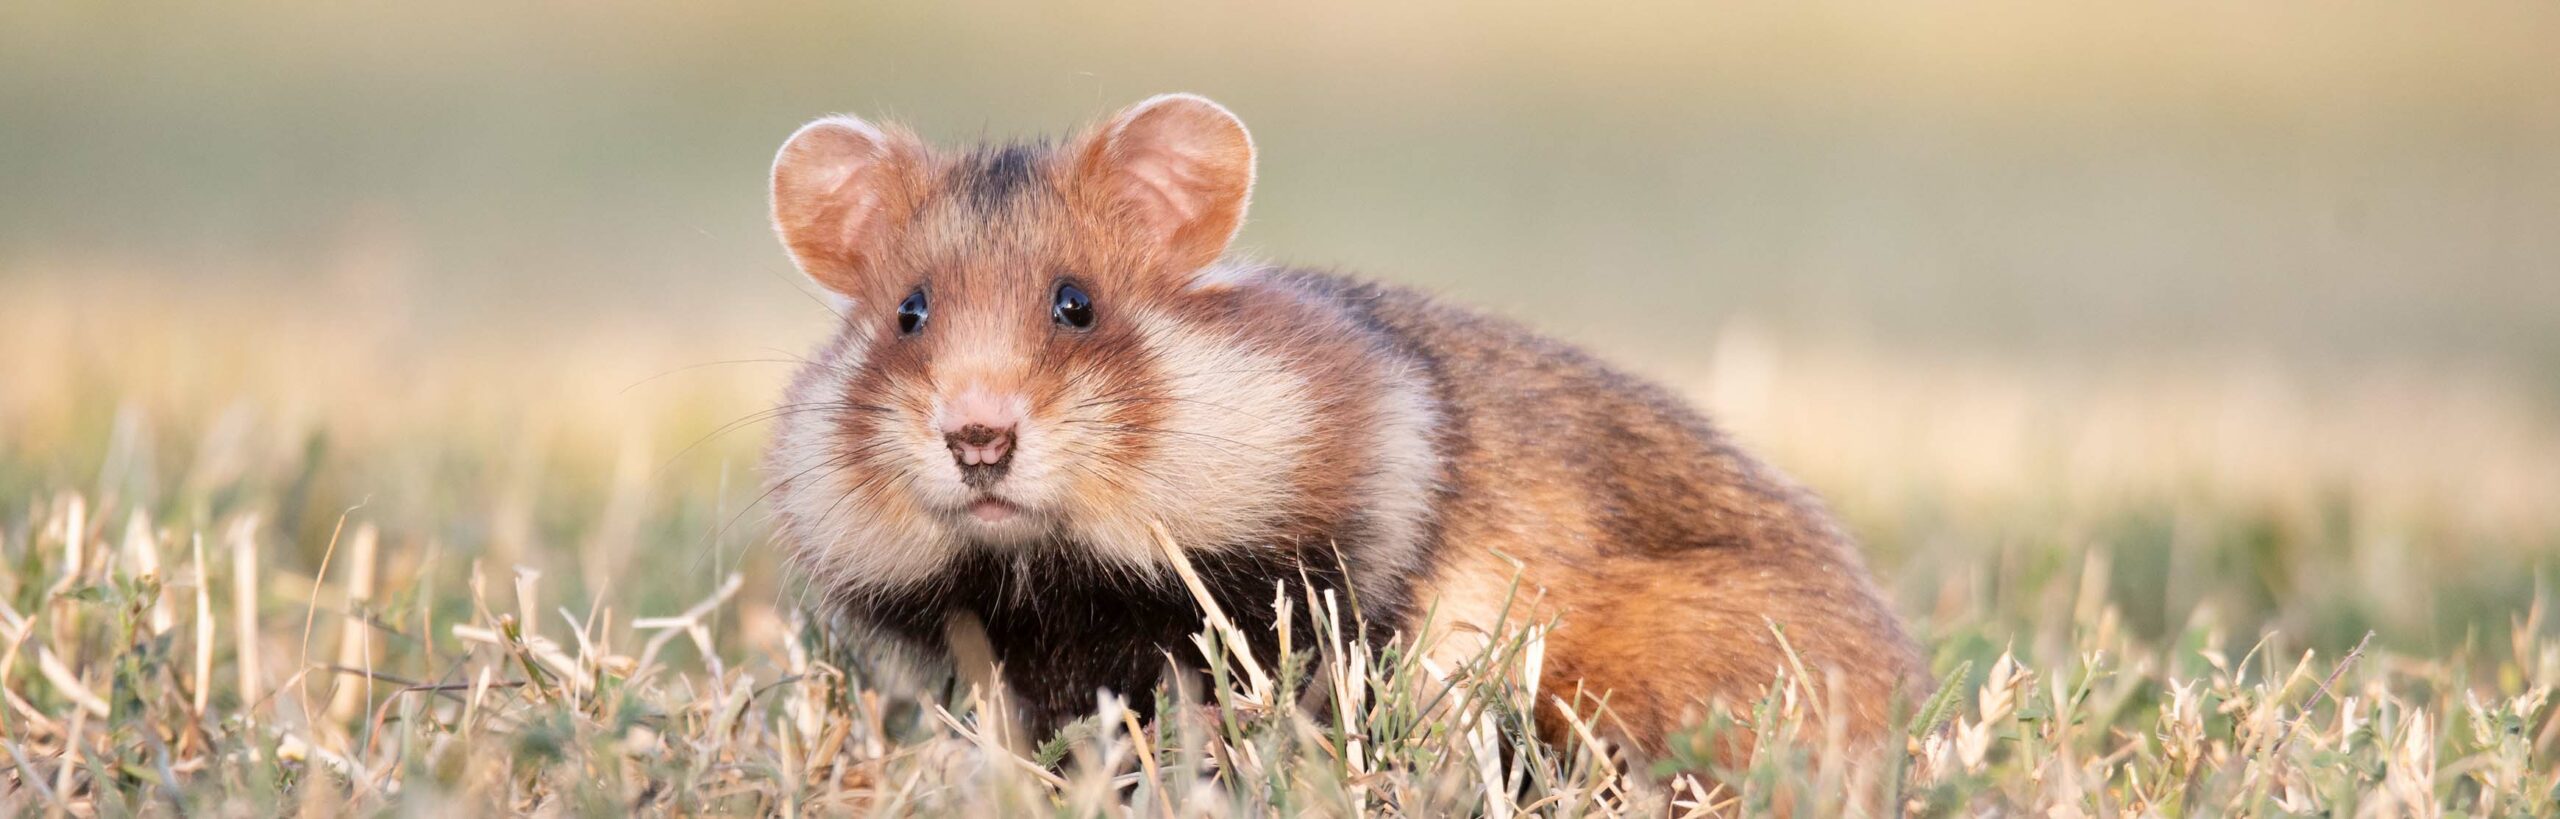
(1183, 167)
(1160, 188)
(827, 186)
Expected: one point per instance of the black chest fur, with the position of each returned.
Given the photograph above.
(1065, 628)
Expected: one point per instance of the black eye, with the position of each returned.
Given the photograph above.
(911, 313)
(1074, 308)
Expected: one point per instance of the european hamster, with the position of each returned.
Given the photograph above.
(1044, 350)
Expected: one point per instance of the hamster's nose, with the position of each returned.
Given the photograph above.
(979, 425)
(980, 444)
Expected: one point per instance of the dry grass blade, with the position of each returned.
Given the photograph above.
(1237, 644)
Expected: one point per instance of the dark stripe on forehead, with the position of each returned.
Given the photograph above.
(992, 176)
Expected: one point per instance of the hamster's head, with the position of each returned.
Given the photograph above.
(1036, 351)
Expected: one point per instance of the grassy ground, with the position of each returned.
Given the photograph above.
(261, 557)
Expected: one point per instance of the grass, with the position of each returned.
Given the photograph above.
(264, 558)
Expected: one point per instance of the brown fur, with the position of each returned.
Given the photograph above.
(1437, 454)
(1662, 553)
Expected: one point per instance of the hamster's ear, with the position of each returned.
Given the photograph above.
(836, 183)
(1181, 167)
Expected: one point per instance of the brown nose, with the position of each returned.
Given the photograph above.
(980, 445)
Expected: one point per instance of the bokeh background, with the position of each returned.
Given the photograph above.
(2169, 319)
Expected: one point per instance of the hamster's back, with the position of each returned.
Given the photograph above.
(1670, 560)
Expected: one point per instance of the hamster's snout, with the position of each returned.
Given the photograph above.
(979, 428)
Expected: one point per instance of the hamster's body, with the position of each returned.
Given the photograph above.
(1044, 360)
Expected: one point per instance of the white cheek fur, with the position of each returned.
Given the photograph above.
(1404, 469)
(851, 517)
(1235, 428)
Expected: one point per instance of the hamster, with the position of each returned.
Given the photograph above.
(1045, 352)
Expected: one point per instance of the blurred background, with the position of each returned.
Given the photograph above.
(2176, 318)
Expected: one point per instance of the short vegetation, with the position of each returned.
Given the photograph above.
(299, 566)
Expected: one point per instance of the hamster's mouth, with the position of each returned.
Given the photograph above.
(993, 510)
(989, 519)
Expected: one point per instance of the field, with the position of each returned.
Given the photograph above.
(263, 556)
(381, 391)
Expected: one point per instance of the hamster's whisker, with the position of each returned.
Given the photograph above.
(1155, 384)
(691, 367)
(1146, 430)
(1201, 402)
(761, 416)
(776, 486)
(1111, 480)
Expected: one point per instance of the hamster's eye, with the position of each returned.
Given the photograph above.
(911, 313)
(1074, 308)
